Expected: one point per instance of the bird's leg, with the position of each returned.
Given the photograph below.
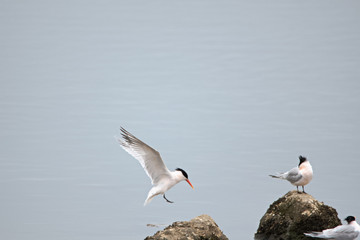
(303, 189)
(167, 199)
(297, 189)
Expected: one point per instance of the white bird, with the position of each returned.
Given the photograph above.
(349, 231)
(298, 176)
(161, 178)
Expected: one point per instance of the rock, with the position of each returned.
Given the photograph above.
(292, 215)
(200, 228)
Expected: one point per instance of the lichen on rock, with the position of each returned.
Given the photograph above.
(292, 215)
(200, 228)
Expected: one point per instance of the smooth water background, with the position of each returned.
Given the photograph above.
(230, 91)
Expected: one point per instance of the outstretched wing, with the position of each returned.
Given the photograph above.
(148, 157)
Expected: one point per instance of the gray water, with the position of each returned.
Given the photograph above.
(230, 91)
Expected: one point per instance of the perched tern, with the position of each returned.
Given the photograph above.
(349, 231)
(298, 176)
(161, 178)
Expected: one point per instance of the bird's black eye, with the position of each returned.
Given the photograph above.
(183, 172)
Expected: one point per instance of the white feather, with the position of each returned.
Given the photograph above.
(343, 232)
(148, 157)
(161, 178)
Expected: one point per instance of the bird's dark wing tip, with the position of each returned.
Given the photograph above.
(123, 129)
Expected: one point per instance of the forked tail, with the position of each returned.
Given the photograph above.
(152, 193)
(278, 175)
(314, 234)
(148, 200)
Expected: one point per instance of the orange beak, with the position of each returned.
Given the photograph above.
(189, 183)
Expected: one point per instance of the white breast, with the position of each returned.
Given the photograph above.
(306, 172)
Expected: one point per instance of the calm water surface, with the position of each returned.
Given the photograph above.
(229, 91)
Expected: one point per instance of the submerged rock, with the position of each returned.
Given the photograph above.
(200, 228)
(292, 215)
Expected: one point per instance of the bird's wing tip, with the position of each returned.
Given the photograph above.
(123, 130)
(120, 141)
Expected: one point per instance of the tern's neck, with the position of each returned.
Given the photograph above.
(177, 176)
(305, 165)
(355, 224)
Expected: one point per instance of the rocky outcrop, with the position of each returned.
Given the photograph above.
(200, 228)
(292, 215)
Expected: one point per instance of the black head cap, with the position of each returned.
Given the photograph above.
(349, 219)
(183, 172)
(302, 159)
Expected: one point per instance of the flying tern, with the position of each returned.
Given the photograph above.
(349, 231)
(161, 177)
(298, 176)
